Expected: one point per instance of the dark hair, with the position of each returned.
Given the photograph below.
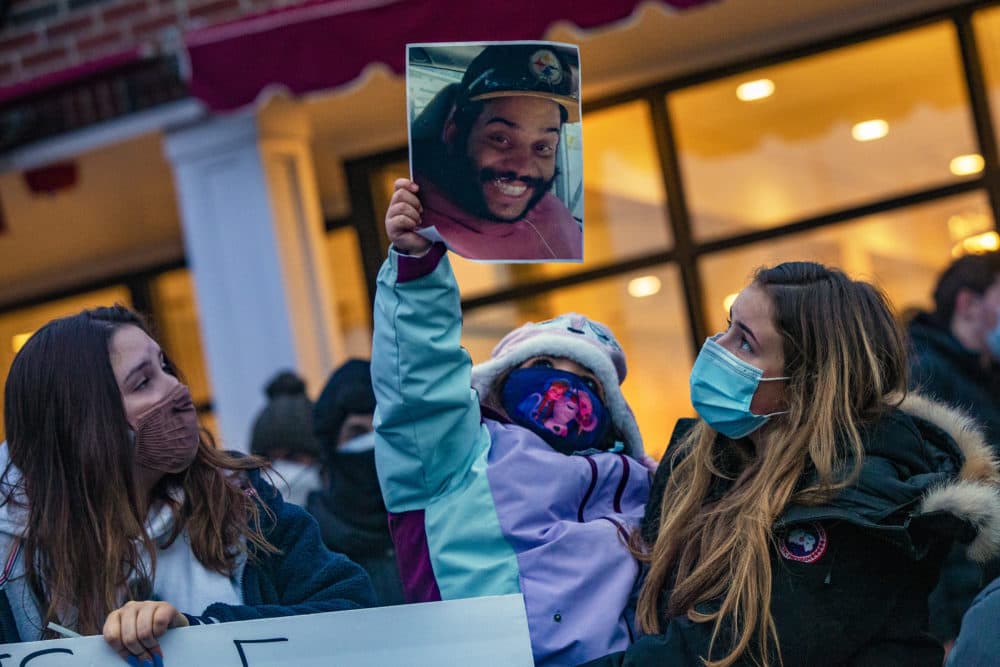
(69, 438)
(972, 272)
(348, 392)
(285, 423)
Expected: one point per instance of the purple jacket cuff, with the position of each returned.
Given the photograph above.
(410, 267)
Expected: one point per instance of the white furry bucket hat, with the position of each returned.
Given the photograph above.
(570, 336)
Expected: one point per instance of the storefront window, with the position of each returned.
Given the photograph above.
(646, 312)
(903, 252)
(823, 133)
(16, 326)
(987, 26)
(624, 200)
(350, 292)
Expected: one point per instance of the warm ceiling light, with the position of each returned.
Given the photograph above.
(755, 90)
(727, 303)
(644, 286)
(870, 130)
(17, 341)
(963, 165)
(977, 245)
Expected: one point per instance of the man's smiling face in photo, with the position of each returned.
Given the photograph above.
(511, 152)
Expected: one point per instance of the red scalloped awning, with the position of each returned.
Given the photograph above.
(324, 44)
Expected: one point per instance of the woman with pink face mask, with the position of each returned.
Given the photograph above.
(122, 518)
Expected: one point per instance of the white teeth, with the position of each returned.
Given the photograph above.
(511, 189)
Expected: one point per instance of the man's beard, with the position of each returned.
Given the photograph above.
(463, 182)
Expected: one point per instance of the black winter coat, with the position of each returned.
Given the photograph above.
(851, 578)
(941, 368)
(353, 521)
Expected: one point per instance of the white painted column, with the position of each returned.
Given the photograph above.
(253, 231)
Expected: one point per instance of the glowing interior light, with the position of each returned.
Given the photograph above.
(17, 341)
(976, 245)
(963, 165)
(870, 130)
(755, 90)
(644, 286)
(727, 303)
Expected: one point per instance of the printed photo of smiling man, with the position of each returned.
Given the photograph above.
(495, 146)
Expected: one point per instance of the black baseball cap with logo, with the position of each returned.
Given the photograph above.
(528, 70)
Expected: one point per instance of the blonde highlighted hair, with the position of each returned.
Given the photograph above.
(846, 358)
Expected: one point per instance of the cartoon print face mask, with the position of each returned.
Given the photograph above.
(166, 434)
(993, 342)
(558, 406)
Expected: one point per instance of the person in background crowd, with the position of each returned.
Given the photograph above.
(955, 350)
(283, 434)
(121, 517)
(493, 484)
(349, 507)
(804, 518)
(955, 358)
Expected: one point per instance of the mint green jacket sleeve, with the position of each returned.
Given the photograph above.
(428, 422)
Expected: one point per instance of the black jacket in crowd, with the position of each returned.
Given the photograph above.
(851, 578)
(353, 521)
(941, 368)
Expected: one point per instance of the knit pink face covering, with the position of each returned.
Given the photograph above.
(166, 434)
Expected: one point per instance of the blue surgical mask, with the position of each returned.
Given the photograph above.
(722, 387)
(559, 407)
(993, 342)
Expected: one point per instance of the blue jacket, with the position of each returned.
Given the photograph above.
(302, 578)
(978, 643)
(479, 506)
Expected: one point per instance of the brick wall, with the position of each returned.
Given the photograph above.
(38, 37)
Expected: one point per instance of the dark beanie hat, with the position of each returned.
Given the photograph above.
(347, 392)
(286, 420)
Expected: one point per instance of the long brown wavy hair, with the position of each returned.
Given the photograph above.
(846, 358)
(69, 438)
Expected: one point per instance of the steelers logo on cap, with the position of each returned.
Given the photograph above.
(546, 66)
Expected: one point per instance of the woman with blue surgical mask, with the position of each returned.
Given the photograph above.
(803, 519)
(738, 381)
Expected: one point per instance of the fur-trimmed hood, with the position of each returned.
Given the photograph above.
(928, 471)
(974, 493)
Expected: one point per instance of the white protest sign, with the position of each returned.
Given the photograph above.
(477, 631)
